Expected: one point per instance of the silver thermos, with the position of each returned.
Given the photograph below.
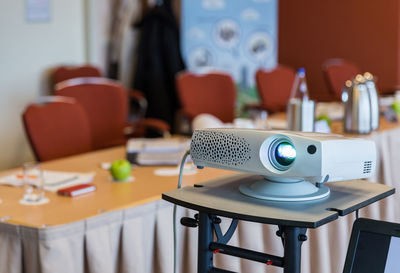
(361, 108)
(374, 100)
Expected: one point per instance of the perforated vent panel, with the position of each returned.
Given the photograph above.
(367, 167)
(220, 148)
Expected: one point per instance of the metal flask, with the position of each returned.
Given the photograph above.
(374, 100)
(357, 106)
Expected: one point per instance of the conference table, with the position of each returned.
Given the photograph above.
(126, 227)
(89, 233)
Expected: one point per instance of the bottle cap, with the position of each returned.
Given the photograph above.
(359, 79)
(301, 70)
(368, 76)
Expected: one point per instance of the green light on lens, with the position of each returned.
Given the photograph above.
(285, 153)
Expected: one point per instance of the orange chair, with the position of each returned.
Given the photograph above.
(63, 73)
(106, 105)
(336, 73)
(57, 127)
(274, 87)
(213, 93)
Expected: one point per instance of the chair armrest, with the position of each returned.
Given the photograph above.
(139, 98)
(183, 120)
(141, 127)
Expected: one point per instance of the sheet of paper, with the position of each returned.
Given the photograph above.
(52, 180)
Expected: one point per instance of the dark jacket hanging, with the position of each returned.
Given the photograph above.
(159, 59)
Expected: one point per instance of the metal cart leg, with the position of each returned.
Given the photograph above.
(205, 255)
(293, 239)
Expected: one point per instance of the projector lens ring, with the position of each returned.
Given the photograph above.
(282, 154)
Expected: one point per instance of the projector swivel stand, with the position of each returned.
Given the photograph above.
(292, 238)
(222, 197)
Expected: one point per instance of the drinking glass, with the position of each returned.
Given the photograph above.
(259, 118)
(33, 183)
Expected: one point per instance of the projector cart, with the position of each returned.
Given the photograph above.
(221, 197)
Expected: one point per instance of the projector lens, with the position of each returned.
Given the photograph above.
(285, 153)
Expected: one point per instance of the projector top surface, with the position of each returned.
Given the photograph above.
(222, 197)
(313, 135)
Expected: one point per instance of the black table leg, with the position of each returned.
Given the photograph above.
(205, 255)
(293, 238)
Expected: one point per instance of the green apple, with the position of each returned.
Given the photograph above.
(396, 107)
(326, 118)
(120, 169)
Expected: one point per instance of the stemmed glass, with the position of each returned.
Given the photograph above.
(33, 184)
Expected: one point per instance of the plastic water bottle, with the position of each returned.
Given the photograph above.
(300, 109)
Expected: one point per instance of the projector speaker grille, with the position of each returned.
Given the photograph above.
(219, 147)
(367, 167)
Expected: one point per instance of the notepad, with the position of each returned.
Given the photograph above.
(158, 151)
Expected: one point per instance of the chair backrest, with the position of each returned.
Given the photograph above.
(57, 128)
(212, 93)
(63, 73)
(274, 87)
(106, 105)
(336, 73)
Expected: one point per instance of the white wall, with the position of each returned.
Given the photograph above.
(27, 51)
(129, 42)
(97, 21)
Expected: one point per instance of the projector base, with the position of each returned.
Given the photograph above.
(284, 191)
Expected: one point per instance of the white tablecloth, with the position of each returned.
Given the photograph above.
(140, 239)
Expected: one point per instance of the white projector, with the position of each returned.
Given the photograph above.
(294, 164)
